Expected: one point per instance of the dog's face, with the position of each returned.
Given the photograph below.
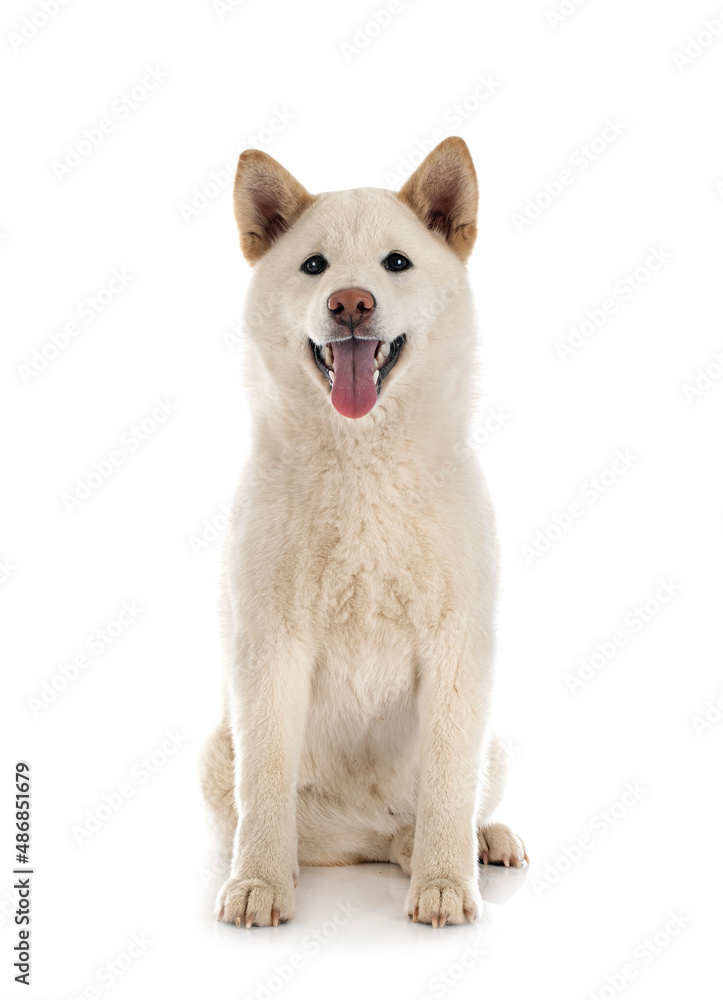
(355, 293)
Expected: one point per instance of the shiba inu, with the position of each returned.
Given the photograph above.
(361, 572)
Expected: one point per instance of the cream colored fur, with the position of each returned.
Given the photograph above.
(361, 580)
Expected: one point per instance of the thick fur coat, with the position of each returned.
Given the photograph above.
(361, 579)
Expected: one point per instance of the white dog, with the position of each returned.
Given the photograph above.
(362, 565)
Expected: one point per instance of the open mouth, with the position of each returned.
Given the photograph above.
(356, 369)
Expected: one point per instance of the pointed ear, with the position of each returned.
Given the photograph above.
(267, 201)
(443, 193)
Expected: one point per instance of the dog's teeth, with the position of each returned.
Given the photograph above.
(382, 355)
(376, 376)
(328, 356)
(331, 377)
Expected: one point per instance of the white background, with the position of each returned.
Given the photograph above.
(354, 117)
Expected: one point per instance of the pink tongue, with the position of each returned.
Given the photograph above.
(354, 391)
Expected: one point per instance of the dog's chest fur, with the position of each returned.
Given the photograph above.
(353, 553)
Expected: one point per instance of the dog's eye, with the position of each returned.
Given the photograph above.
(396, 262)
(315, 264)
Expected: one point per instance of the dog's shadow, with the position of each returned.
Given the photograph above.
(498, 884)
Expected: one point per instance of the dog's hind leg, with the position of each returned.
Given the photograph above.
(401, 848)
(217, 783)
(496, 843)
(333, 831)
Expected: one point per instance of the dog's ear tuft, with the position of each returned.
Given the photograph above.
(443, 193)
(267, 201)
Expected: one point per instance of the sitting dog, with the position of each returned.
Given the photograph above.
(361, 571)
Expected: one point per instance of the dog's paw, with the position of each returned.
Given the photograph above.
(498, 845)
(439, 901)
(249, 901)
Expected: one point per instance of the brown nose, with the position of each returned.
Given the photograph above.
(351, 306)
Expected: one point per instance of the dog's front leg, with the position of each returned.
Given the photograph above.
(269, 690)
(453, 697)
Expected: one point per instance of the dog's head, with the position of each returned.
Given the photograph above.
(356, 294)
